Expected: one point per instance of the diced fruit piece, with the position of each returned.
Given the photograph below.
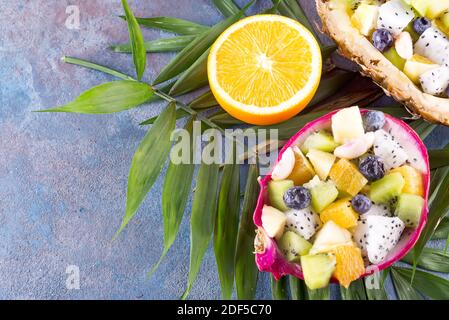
(273, 221)
(382, 210)
(293, 246)
(321, 140)
(276, 190)
(297, 198)
(404, 46)
(329, 237)
(393, 56)
(342, 131)
(323, 195)
(285, 165)
(373, 120)
(434, 45)
(356, 147)
(365, 18)
(322, 162)
(347, 178)
(303, 170)
(410, 29)
(377, 235)
(413, 180)
(437, 8)
(313, 183)
(304, 222)
(387, 188)
(389, 150)
(361, 203)
(372, 168)
(416, 66)
(383, 40)
(421, 24)
(445, 19)
(317, 270)
(394, 15)
(349, 264)
(341, 213)
(409, 209)
(435, 81)
(420, 6)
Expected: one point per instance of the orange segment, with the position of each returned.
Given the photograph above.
(413, 180)
(347, 177)
(350, 265)
(303, 171)
(264, 69)
(341, 213)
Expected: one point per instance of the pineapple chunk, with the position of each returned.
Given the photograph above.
(341, 213)
(437, 8)
(365, 18)
(416, 66)
(347, 125)
(303, 170)
(413, 180)
(322, 162)
(347, 177)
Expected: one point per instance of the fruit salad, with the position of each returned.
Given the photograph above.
(347, 197)
(412, 34)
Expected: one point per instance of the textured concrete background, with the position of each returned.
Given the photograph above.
(63, 177)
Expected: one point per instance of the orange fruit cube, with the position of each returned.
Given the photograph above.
(341, 213)
(347, 177)
(413, 180)
(302, 171)
(349, 266)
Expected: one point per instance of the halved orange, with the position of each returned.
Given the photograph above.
(265, 69)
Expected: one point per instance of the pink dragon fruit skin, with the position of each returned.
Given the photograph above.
(268, 256)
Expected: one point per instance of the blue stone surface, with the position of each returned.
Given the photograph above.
(63, 176)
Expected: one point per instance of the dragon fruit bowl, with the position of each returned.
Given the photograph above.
(351, 236)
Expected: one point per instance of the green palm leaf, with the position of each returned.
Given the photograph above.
(427, 283)
(179, 177)
(148, 161)
(246, 272)
(226, 227)
(137, 42)
(108, 98)
(202, 220)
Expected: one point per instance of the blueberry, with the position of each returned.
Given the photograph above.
(297, 198)
(373, 120)
(372, 168)
(382, 39)
(361, 203)
(421, 24)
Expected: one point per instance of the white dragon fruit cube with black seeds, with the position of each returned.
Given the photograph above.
(389, 150)
(304, 222)
(435, 81)
(394, 16)
(433, 45)
(376, 236)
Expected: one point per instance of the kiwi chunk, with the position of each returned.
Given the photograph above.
(409, 208)
(321, 140)
(276, 190)
(318, 270)
(387, 188)
(293, 246)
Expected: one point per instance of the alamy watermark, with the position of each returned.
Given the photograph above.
(234, 146)
(72, 21)
(72, 281)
